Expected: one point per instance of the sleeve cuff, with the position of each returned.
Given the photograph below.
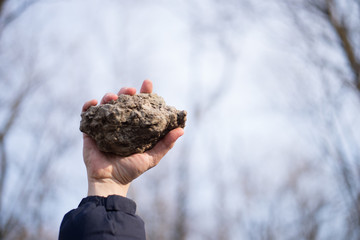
(112, 203)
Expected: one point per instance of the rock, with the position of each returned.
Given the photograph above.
(131, 124)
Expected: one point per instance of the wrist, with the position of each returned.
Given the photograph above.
(106, 187)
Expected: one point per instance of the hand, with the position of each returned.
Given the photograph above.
(110, 174)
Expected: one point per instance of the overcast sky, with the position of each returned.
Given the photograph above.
(93, 47)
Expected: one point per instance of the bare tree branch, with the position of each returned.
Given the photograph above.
(8, 124)
(341, 31)
(2, 2)
(7, 18)
(3, 173)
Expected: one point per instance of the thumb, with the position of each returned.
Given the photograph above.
(162, 147)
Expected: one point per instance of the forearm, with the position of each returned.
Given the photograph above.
(106, 187)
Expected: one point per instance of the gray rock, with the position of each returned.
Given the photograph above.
(131, 124)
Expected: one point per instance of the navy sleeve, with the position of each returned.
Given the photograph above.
(105, 218)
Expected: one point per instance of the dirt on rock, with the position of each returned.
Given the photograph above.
(131, 124)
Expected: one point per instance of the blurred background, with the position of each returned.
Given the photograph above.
(272, 91)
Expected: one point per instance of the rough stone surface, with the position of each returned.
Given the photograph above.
(131, 124)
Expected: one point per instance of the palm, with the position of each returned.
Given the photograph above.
(108, 166)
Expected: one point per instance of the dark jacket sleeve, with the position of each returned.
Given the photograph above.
(100, 218)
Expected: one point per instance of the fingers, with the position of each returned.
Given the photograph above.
(108, 97)
(89, 104)
(146, 87)
(128, 91)
(162, 147)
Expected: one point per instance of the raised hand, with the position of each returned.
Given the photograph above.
(109, 174)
